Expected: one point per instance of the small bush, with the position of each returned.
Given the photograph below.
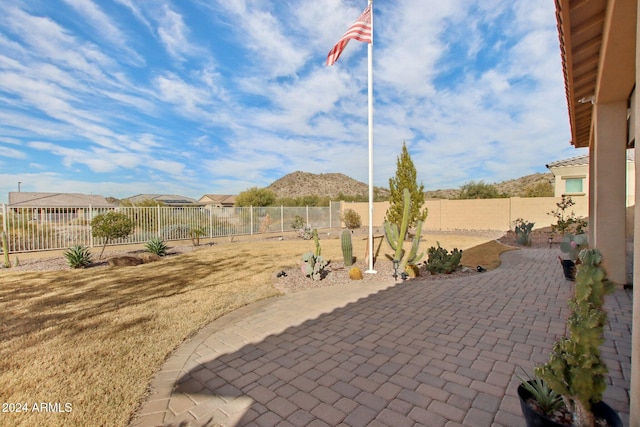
(110, 226)
(78, 256)
(298, 223)
(195, 233)
(441, 260)
(351, 219)
(157, 246)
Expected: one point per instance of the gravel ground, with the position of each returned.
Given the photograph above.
(293, 280)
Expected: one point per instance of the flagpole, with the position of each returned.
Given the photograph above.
(370, 102)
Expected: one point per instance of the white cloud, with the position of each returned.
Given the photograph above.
(101, 23)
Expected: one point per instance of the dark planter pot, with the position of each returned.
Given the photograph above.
(569, 269)
(536, 419)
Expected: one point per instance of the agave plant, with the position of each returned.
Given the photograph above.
(546, 399)
(157, 246)
(78, 256)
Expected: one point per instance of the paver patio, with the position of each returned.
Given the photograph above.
(432, 353)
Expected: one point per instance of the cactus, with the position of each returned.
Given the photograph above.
(316, 240)
(523, 230)
(573, 244)
(355, 273)
(347, 248)
(313, 265)
(395, 237)
(575, 369)
(441, 260)
(5, 250)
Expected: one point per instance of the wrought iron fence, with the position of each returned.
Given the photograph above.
(31, 229)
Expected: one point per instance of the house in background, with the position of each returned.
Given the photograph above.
(170, 200)
(571, 177)
(55, 207)
(27, 199)
(217, 201)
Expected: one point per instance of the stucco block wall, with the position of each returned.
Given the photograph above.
(479, 214)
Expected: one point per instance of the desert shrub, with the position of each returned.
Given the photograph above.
(157, 246)
(78, 256)
(265, 224)
(441, 260)
(567, 222)
(110, 226)
(351, 219)
(176, 231)
(298, 223)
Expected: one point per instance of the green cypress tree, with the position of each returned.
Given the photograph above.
(405, 178)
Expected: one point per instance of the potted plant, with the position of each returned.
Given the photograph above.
(575, 369)
(571, 245)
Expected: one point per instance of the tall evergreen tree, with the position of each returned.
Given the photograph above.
(405, 178)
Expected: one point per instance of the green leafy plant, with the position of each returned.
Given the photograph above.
(395, 237)
(405, 179)
(575, 368)
(523, 229)
(195, 233)
(78, 256)
(546, 399)
(156, 246)
(351, 219)
(567, 221)
(110, 226)
(440, 260)
(347, 247)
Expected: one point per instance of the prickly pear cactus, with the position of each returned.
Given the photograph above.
(313, 266)
(347, 247)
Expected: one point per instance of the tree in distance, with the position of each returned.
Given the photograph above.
(257, 197)
(479, 190)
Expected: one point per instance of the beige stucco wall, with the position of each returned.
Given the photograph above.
(562, 173)
(478, 214)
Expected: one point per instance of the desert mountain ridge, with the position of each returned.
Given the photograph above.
(301, 184)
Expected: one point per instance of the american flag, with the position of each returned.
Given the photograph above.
(360, 30)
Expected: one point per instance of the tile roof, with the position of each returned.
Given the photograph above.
(52, 200)
(583, 160)
(167, 199)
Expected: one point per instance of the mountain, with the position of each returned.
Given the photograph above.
(513, 187)
(300, 184)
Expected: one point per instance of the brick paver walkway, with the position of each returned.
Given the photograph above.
(431, 353)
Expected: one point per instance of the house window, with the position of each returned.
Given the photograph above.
(573, 185)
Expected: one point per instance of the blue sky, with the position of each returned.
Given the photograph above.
(191, 97)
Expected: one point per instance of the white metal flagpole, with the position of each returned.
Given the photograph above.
(370, 97)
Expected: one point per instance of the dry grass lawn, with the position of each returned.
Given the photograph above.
(94, 338)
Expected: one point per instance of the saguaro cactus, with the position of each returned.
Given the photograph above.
(347, 247)
(396, 237)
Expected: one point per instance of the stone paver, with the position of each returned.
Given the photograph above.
(416, 353)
